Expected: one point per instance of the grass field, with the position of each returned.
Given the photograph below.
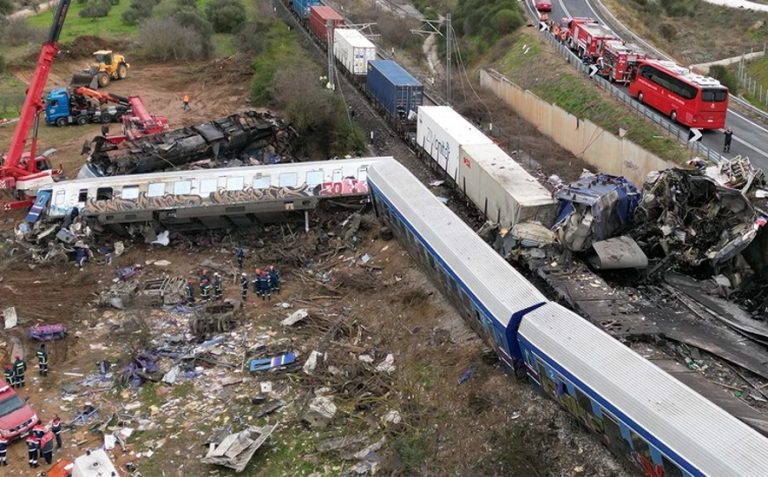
(543, 72)
(11, 96)
(111, 26)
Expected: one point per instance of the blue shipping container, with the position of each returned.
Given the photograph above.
(394, 88)
(301, 7)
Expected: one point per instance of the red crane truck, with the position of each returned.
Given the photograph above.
(22, 171)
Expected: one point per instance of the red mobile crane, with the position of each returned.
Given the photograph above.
(22, 171)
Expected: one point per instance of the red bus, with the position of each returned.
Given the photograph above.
(690, 99)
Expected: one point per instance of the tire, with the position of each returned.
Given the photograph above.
(105, 118)
(103, 80)
(640, 97)
(61, 122)
(81, 120)
(122, 71)
(673, 116)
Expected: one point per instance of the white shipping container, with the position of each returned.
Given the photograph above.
(353, 50)
(441, 131)
(505, 192)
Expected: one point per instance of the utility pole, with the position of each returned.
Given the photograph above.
(448, 55)
(329, 32)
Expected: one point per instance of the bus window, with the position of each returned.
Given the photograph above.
(208, 185)
(261, 182)
(314, 178)
(156, 190)
(235, 183)
(130, 192)
(104, 193)
(714, 95)
(288, 179)
(182, 187)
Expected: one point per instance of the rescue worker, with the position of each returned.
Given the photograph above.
(33, 446)
(264, 285)
(190, 292)
(728, 137)
(46, 447)
(274, 279)
(3, 450)
(56, 429)
(240, 256)
(80, 255)
(38, 431)
(217, 286)
(244, 285)
(42, 360)
(185, 101)
(205, 275)
(256, 283)
(19, 367)
(10, 377)
(205, 290)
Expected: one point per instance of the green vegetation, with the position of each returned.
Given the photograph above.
(6, 7)
(481, 23)
(110, 26)
(578, 96)
(412, 449)
(11, 96)
(226, 16)
(758, 71)
(725, 76)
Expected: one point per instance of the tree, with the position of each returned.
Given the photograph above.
(226, 16)
(164, 39)
(506, 21)
(6, 7)
(251, 37)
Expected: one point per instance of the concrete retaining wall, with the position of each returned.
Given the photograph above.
(596, 146)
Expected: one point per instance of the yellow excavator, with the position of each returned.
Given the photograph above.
(107, 66)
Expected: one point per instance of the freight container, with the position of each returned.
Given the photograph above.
(353, 50)
(319, 17)
(499, 186)
(441, 131)
(301, 7)
(394, 88)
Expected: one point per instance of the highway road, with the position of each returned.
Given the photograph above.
(749, 139)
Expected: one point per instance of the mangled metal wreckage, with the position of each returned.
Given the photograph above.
(245, 138)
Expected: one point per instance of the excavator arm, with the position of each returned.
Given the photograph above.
(101, 97)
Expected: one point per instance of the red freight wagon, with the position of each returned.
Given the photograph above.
(618, 59)
(318, 21)
(588, 39)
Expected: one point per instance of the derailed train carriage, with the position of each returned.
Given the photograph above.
(659, 425)
(206, 198)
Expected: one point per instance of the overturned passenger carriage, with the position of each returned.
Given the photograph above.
(248, 137)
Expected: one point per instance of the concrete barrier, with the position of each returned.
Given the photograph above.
(598, 147)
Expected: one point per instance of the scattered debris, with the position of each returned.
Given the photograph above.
(617, 253)
(236, 450)
(320, 412)
(9, 317)
(267, 364)
(48, 332)
(295, 317)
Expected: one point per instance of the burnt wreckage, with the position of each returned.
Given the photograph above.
(245, 138)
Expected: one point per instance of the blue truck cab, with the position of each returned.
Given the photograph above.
(58, 110)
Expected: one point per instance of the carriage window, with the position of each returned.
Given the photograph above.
(261, 182)
(182, 187)
(337, 175)
(104, 193)
(235, 183)
(584, 401)
(314, 178)
(208, 185)
(288, 179)
(156, 190)
(362, 174)
(82, 196)
(59, 199)
(640, 445)
(670, 468)
(130, 192)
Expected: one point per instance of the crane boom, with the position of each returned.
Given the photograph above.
(12, 167)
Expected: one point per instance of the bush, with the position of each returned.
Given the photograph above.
(6, 7)
(17, 32)
(226, 16)
(187, 3)
(191, 18)
(668, 31)
(96, 9)
(138, 10)
(505, 21)
(725, 76)
(251, 37)
(164, 39)
(2, 64)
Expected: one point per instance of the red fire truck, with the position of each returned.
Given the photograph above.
(617, 60)
(588, 38)
(569, 26)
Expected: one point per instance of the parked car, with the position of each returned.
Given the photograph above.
(543, 5)
(16, 416)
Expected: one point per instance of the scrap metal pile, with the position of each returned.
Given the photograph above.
(691, 219)
(245, 138)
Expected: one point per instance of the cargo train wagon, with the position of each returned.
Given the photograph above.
(392, 90)
(209, 197)
(659, 425)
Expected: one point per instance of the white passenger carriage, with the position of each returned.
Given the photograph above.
(238, 194)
